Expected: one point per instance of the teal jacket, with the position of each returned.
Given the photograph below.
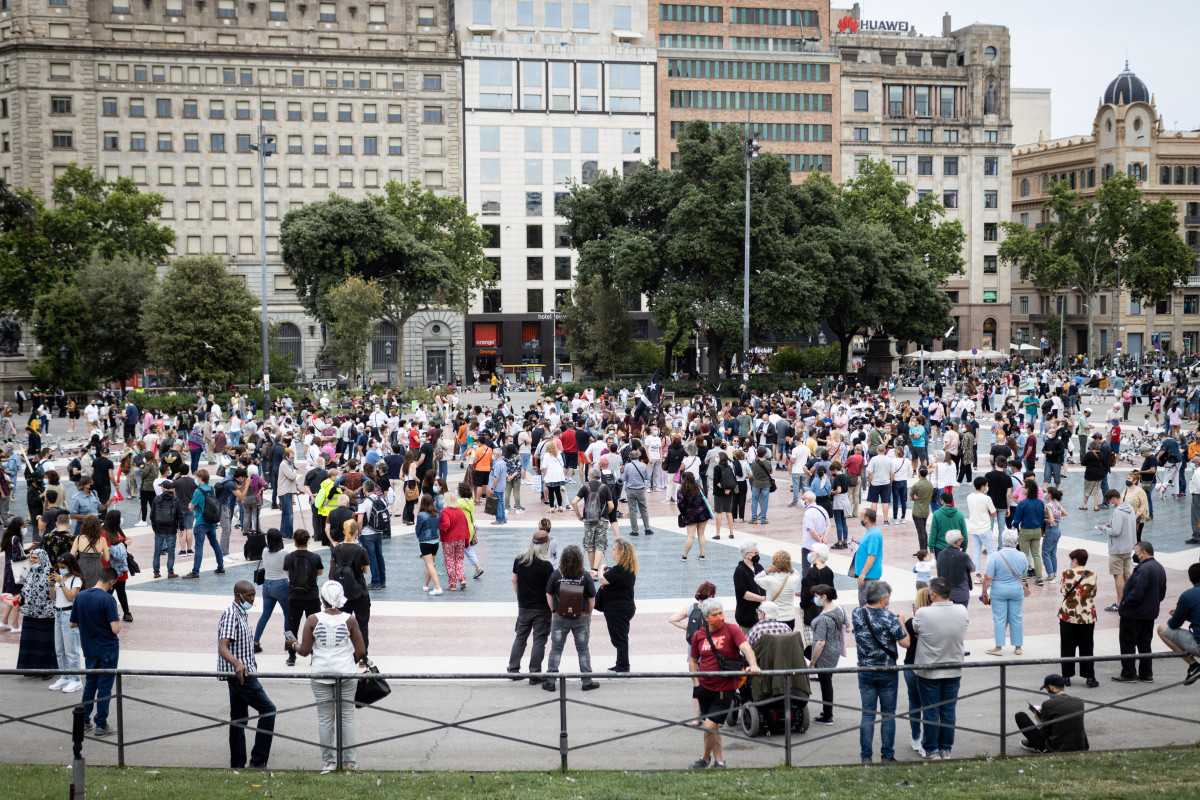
(944, 520)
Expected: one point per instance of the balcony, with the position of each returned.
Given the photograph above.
(1191, 219)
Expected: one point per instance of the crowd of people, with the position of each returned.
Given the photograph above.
(340, 475)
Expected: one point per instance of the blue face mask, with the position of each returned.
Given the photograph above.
(437, 489)
(64, 572)
(247, 605)
(810, 558)
(863, 522)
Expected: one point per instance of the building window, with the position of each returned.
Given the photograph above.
(533, 300)
(990, 265)
(533, 268)
(990, 231)
(991, 199)
(1163, 306)
(861, 134)
(1024, 187)
(950, 136)
(991, 165)
(860, 100)
(110, 141)
(1024, 305)
(533, 204)
(165, 144)
(216, 143)
(371, 145)
(426, 16)
(62, 140)
(991, 137)
(899, 134)
(950, 198)
(1191, 304)
(60, 105)
(432, 83)
(924, 165)
(899, 165)
(925, 135)
(137, 107)
(327, 12)
(433, 114)
(950, 165)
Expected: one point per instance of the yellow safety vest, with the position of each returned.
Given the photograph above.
(327, 497)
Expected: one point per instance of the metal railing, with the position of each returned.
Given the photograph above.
(428, 725)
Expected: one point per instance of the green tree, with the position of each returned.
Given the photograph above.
(890, 257)
(421, 249)
(201, 321)
(63, 319)
(599, 328)
(43, 244)
(355, 308)
(1114, 241)
(116, 290)
(676, 237)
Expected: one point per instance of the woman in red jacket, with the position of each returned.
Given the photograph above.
(454, 533)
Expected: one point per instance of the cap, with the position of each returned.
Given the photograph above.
(1087, 411)
(541, 536)
(168, 484)
(1054, 679)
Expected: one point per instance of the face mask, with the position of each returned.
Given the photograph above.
(716, 620)
(64, 572)
(1136, 558)
(437, 489)
(862, 522)
(1129, 483)
(811, 558)
(754, 559)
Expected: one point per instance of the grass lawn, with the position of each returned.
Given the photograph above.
(1118, 775)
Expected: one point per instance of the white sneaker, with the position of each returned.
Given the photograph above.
(61, 683)
(916, 746)
(72, 687)
(141, 523)
(435, 592)
(425, 588)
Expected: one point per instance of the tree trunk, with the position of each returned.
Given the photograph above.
(844, 340)
(715, 345)
(669, 353)
(1091, 354)
(399, 321)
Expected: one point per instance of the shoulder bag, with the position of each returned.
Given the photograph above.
(1024, 583)
(370, 688)
(737, 664)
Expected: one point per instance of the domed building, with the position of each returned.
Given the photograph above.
(1127, 136)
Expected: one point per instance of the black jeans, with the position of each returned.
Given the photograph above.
(242, 697)
(535, 621)
(739, 502)
(922, 534)
(618, 634)
(297, 610)
(1032, 733)
(826, 695)
(1074, 636)
(1136, 634)
(360, 607)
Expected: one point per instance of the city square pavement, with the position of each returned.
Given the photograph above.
(470, 632)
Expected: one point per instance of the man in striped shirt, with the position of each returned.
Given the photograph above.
(235, 646)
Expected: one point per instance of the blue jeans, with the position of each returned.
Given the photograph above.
(1050, 549)
(757, 497)
(195, 456)
(799, 485)
(99, 686)
(997, 522)
(285, 515)
(274, 593)
(914, 702)
(242, 697)
(878, 688)
(206, 531)
(580, 629)
(66, 643)
(164, 542)
(444, 469)
(1007, 601)
(500, 515)
(526, 460)
(839, 525)
(235, 438)
(899, 499)
(944, 691)
(373, 544)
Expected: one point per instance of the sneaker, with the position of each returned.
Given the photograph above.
(649, 532)
(72, 687)
(589, 685)
(425, 588)
(1146, 680)
(88, 727)
(478, 571)
(59, 684)
(718, 765)
(191, 576)
(866, 761)
(106, 730)
(823, 720)
(1092, 683)
(156, 575)
(1113, 608)
(258, 647)
(140, 523)
(219, 571)
(172, 575)
(936, 755)
(700, 763)
(328, 769)
(887, 760)
(1193, 674)
(549, 685)
(291, 660)
(1025, 743)
(128, 617)
(916, 746)
(1124, 679)
(435, 592)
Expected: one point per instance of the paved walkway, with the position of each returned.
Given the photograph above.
(470, 632)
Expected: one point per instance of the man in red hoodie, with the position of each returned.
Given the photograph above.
(854, 468)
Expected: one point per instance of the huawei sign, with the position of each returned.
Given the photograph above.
(847, 24)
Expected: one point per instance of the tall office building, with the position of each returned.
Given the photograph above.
(766, 63)
(1128, 135)
(170, 93)
(937, 109)
(553, 92)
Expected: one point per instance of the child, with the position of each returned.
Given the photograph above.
(923, 569)
(552, 545)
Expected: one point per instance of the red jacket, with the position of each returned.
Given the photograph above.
(452, 525)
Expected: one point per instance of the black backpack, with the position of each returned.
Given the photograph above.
(378, 518)
(212, 509)
(695, 622)
(164, 510)
(346, 574)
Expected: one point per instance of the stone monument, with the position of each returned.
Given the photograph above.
(14, 367)
(881, 361)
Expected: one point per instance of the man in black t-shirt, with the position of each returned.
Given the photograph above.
(595, 531)
(999, 489)
(394, 462)
(531, 572)
(425, 458)
(302, 568)
(104, 477)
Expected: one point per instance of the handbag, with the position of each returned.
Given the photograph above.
(131, 563)
(599, 604)
(1024, 583)
(738, 664)
(411, 491)
(20, 569)
(490, 506)
(370, 689)
(260, 574)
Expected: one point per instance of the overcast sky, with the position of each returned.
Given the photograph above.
(1075, 47)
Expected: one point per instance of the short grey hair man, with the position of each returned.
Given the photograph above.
(710, 606)
(594, 474)
(954, 538)
(877, 591)
(1009, 539)
(809, 497)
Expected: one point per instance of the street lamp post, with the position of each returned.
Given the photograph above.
(62, 358)
(387, 357)
(750, 150)
(262, 147)
(554, 340)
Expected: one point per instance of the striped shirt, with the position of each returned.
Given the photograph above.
(235, 626)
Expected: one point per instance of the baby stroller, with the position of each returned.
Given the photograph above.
(758, 712)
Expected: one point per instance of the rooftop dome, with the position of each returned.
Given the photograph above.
(1126, 88)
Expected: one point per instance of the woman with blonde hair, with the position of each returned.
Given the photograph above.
(779, 583)
(910, 676)
(616, 591)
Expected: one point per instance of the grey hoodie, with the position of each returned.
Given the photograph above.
(1122, 530)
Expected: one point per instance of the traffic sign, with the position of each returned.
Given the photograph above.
(1118, 345)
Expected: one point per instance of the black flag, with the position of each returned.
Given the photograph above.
(653, 391)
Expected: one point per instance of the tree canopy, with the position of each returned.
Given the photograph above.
(201, 321)
(355, 308)
(1115, 240)
(42, 244)
(599, 328)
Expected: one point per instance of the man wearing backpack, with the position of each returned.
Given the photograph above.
(348, 565)
(375, 520)
(208, 512)
(302, 568)
(592, 505)
(166, 520)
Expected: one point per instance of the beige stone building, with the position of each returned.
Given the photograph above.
(1127, 136)
(171, 93)
(937, 108)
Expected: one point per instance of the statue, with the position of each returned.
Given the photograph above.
(989, 100)
(10, 335)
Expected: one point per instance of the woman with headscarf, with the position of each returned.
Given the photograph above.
(333, 639)
(37, 633)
